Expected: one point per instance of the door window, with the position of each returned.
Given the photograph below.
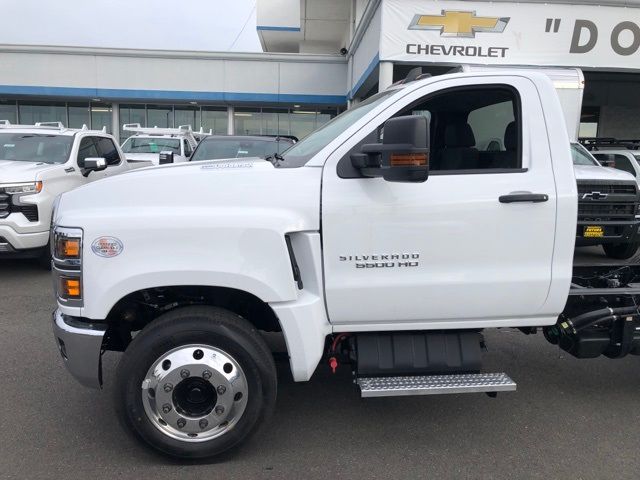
(474, 130)
(187, 149)
(87, 149)
(624, 164)
(108, 151)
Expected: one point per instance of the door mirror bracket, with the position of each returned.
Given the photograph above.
(93, 165)
(403, 155)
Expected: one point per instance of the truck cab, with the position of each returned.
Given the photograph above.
(157, 146)
(388, 239)
(37, 163)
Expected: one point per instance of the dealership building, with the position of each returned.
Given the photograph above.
(321, 56)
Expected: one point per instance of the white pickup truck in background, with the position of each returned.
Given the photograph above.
(387, 240)
(37, 163)
(160, 145)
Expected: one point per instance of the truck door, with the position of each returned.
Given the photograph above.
(462, 247)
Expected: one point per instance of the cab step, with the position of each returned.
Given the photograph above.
(435, 384)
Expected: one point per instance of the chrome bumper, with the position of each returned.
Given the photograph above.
(80, 344)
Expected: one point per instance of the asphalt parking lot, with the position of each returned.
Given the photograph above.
(570, 418)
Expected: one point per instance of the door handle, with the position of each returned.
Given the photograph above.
(524, 197)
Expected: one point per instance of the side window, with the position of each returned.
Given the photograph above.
(623, 163)
(87, 149)
(108, 150)
(187, 148)
(475, 129)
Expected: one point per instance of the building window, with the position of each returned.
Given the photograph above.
(160, 116)
(131, 114)
(214, 119)
(187, 116)
(9, 111)
(303, 122)
(275, 121)
(33, 112)
(247, 121)
(79, 115)
(101, 116)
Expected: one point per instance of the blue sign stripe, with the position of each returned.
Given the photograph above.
(125, 94)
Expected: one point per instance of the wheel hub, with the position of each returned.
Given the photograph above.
(195, 393)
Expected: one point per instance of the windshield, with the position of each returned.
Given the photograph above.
(237, 147)
(302, 151)
(151, 145)
(35, 147)
(581, 156)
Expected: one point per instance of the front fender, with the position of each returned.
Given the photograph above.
(254, 260)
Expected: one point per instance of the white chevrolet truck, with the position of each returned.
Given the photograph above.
(37, 163)
(385, 242)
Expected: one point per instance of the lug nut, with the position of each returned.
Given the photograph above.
(166, 408)
(184, 373)
(181, 422)
(203, 423)
(206, 374)
(221, 389)
(168, 387)
(219, 410)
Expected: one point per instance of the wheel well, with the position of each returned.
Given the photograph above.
(138, 309)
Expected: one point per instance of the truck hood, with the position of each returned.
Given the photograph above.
(12, 171)
(592, 172)
(207, 189)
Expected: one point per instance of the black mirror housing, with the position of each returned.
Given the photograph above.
(93, 165)
(166, 157)
(403, 155)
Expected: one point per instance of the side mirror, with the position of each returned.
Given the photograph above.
(403, 155)
(93, 165)
(166, 157)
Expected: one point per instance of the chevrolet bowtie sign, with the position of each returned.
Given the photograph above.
(506, 33)
(458, 23)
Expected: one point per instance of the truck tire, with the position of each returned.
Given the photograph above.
(196, 382)
(44, 258)
(620, 251)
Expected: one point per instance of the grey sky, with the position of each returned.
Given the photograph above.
(213, 25)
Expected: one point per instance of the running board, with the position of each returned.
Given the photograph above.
(435, 384)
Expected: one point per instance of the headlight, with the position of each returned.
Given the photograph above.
(23, 188)
(67, 246)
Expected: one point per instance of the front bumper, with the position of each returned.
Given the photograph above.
(13, 242)
(80, 344)
(615, 232)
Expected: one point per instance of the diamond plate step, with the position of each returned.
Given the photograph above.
(435, 384)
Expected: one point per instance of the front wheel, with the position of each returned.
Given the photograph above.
(620, 251)
(196, 382)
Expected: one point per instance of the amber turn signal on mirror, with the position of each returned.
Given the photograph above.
(408, 159)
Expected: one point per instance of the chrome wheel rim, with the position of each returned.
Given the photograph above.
(194, 393)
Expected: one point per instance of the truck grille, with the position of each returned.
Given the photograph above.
(594, 211)
(606, 188)
(4, 204)
(606, 201)
(7, 208)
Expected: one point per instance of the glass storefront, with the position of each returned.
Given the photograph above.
(214, 119)
(9, 110)
(33, 112)
(101, 116)
(96, 115)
